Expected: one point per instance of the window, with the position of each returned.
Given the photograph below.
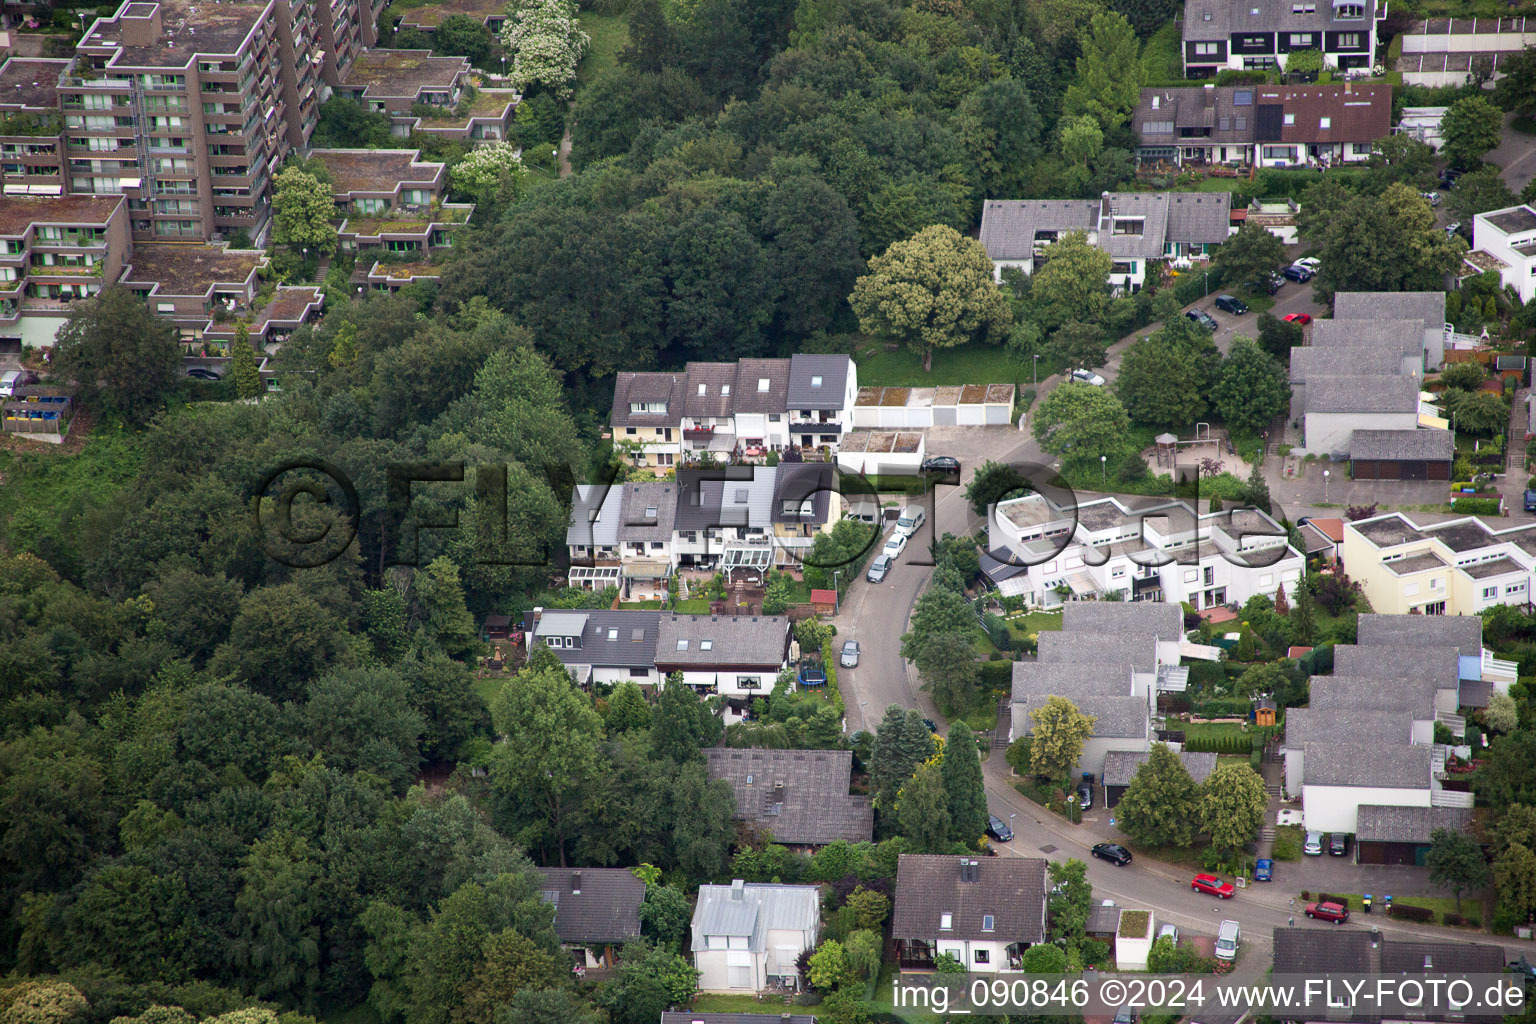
(749, 682)
(1348, 12)
(1130, 225)
(1191, 575)
(1205, 49)
(1437, 584)
(702, 389)
(1324, 122)
(1290, 119)
(1490, 592)
(1117, 572)
(1210, 575)
(630, 431)
(1515, 588)
(1349, 40)
(983, 956)
(774, 417)
(1301, 40)
(762, 384)
(650, 511)
(682, 645)
(706, 645)
(165, 307)
(946, 921)
(716, 941)
(988, 922)
(613, 634)
(1242, 98)
(725, 389)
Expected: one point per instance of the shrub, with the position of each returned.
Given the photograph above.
(1412, 913)
(1328, 897)
(997, 630)
(995, 675)
(1454, 919)
(1476, 506)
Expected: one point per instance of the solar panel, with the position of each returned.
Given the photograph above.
(1242, 98)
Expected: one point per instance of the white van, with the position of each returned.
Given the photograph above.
(911, 520)
(1226, 941)
(8, 382)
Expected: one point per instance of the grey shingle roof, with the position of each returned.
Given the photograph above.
(1427, 444)
(1363, 393)
(750, 395)
(1154, 618)
(595, 515)
(606, 909)
(623, 650)
(812, 808)
(1388, 824)
(794, 484)
(1070, 679)
(756, 641)
(753, 911)
(1314, 362)
(647, 387)
(833, 370)
(1437, 666)
(1374, 693)
(1151, 208)
(733, 496)
(710, 390)
(1120, 765)
(1408, 956)
(1199, 216)
(1008, 226)
(1138, 650)
(1346, 724)
(1117, 717)
(1322, 952)
(1274, 15)
(1386, 764)
(636, 523)
(1426, 306)
(1389, 336)
(1010, 889)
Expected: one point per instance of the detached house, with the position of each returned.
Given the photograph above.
(1135, 228)
(982, 911)
(743, 934)
(799, 796)
(1258, 34)
(594, 907)
(1506, 240)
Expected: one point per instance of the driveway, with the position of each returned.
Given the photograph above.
(1516, 156)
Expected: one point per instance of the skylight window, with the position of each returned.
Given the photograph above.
(946, 921)
(815, 382)
(988, 923)
(762, 384)
(613, 634)
(682, 645)
(706, 645)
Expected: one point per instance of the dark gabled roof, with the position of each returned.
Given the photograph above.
(1425, 444)
(751, 395)
(635, 522)
(633, 643)
(805, 370)
(1010, 889)
(1386, 763)
(801, 796)
(1409, 956)
(631, 388)
(1120, 766)
(710, 389)
(1226, 17)
(1322, 951)
(606, 909)
(700, 494)
(795, 483)
(1392, 824)
(708, 640)
(1113, 716)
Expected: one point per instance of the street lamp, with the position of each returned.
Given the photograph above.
(1325, 485)
(1103, 468)
(837, 595)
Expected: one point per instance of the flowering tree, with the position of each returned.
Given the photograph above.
(489, 174)
(545, 44)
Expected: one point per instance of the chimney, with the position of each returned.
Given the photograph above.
(1375, 936)
(575, 883)
(778, 792)
(738, 890)
(141, 24)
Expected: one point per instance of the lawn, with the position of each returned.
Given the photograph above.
(609, 34)
(968, 364)
(488, 688)
(1160, 57)
(1471, 910)
(640, 605)
(718, 1002)
(1287, 845)
(692, 606)
(1021, 628)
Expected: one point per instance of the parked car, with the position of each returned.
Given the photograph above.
(1271, 282)
(202, 373)
(1212, 886)
(1301, 319)
(1338, 844)
(1299, 274)
(928, 724)
(1312, 263)
(1203, 318)
(1335, 912)
(1453, 227)
(1448, 177)
(895, 546)
(1168, 931)
(1088, 377)
(1227, 938)
(9, 382)
(909, 522)
(1313, 847)
(1522, 967)
(1085, 796)
(850, 658)
(1530, 501)
(1263, 870)
(1432, 198)
(1231, 304)
(1112, 852)
(878, 569)
(941, 464)
(1125, 1015)
(998, 829)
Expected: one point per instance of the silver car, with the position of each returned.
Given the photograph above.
(850, 657)
(1313, 847)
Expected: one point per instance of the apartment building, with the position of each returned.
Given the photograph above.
(1266, 125)
(186, 284)
(31, 127)
(1137, 229)
(1458, 567)
(52, 252)
(395, 82)
(1261, 34)
(1159, 551)
(390, 200)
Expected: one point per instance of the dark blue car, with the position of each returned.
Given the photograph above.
(1264, 870)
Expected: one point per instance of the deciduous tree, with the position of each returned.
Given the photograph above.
(1058, 732)
(1165, 378)
(1159, 806)
(122, 358)
(546, 44)
(1250, 254)
(1232, 806)
(1252, 389)
(1471, 127)
(1073, 284)
(1079, 422)
(1455, 861)
(302, 210)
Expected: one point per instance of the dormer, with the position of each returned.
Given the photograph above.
(648, 408)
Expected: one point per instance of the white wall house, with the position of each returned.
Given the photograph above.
(984, 912)
(745, 934)
(1509, 235)
(732, 655)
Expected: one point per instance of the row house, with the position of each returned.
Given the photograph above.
(1139, 230)
(1261, 34)
(1051, 553)
(749, 407)
(400, 83)
(1263, 125)
(390, 200)
(1459, 567)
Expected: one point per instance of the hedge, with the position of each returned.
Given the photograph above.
(1221, 743)
(1317, 661)
(1476, 506)
(996, 675)
(1408, 913)
(1223, 707)
(997, 630)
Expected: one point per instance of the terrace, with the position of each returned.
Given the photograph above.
(487, 105)
(188, 29)
(370, 171)
(192, 270)
(18, 213)
(404, 74)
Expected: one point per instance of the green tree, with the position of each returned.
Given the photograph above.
(302, 210)
(243, 364)
(864, 949)
(628, 710)
(1232, 806)
(1251, 253)
(1079, 422)
(461, 36)
(548, 1006)
(1255, 492)
(1304, 62)
(123, 359)
(682, 724)
(923, 811)
(960, 771)
(1252, 389)
(1400, 157)
(490, 175)
(344, 124)
(1278, 337)
(548, 747)
(1515, 90)
(362, 720)
(947, 664)
(546, 43)
(1471, 127)
(278, 927)
(1043, 958)
(870, 907)
(1380, 243)
(1477, 412)
(443, 694)
(42, 1002)
(649, 980)
(1080, 346)
(664, 915)
(1514, 873)
(1159, 806)
(280, 640)
(1479, 191)
(1465, 376)
(440, 608)
(1070, 900)
(993, 482)
(1109, 72)
(1166, 376)
(902, 742)
(1058, 731)
(1073, 284)
(828, 967)
(1501, 714)
(1304, 616)
(513, 962)
(934, 290)
(1082, 139)
(1455, 861)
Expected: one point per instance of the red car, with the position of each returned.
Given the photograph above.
(1212, 885)
(1298, 318)
(1335, 912)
